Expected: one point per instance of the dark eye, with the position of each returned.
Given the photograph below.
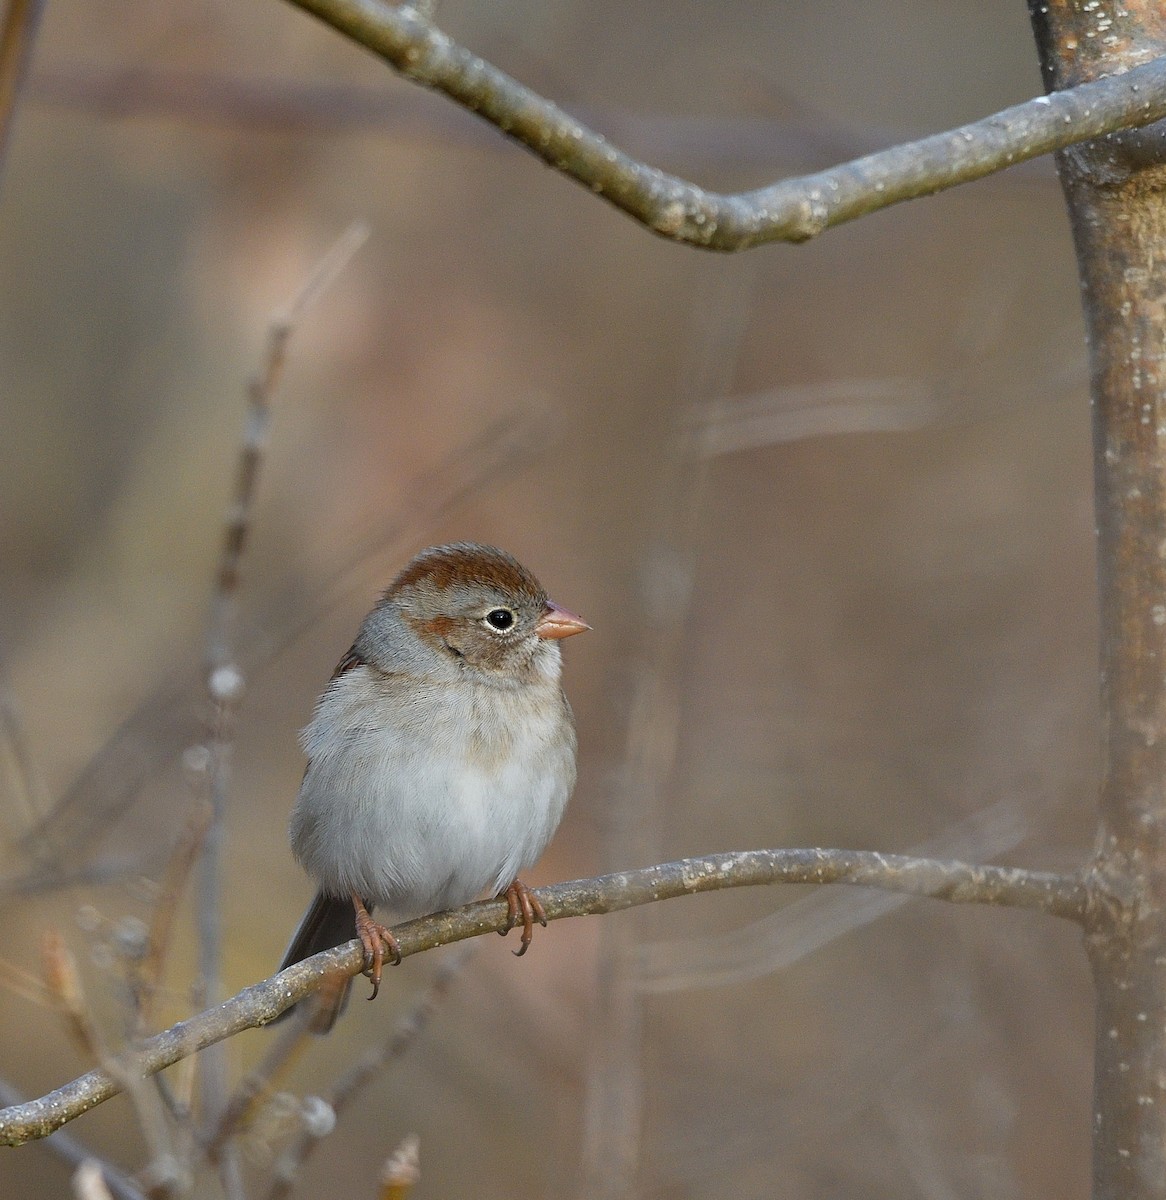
(500, 618)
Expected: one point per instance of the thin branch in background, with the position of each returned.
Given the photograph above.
(633, 820)
(24, 983)
(24, 782)
(67, 1148)
(791, 210)
(147, 973)
(163, 724)
(17, 38)
(518, 437)
(797, 930)
(89, 1182)
(63, 985)
(287, 1047)
(178, 1093)
(405, 1033)
(225, 680)
(127, 943)
(836, 406)
(833, 407)
(221, 648)
(1076, 897)
(102, 791)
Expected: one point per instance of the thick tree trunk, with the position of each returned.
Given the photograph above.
(1115, 189)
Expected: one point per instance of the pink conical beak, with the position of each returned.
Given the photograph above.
(557, 622)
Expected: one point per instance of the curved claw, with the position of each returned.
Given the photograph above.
(376, 939)
(512, 908)
(520, 900)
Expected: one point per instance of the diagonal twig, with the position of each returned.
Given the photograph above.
(67, 1148)
(16, 766)
(162, 725)
(146, 975)
(369, 1067)
(63, 985)
(224, 675)
(292, 1041)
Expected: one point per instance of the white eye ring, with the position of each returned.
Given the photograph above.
(499, 619)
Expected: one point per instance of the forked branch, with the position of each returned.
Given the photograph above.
(791, 210)
(1064, 896)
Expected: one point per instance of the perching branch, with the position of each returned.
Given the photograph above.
(792, 210)
(1066, 896)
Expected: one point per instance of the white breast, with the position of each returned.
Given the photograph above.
(422, 797)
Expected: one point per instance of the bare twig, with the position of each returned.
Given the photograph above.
(147, 972)
(162, 725)
(292, 1040)
(16, 766)
(24, 984)
(61, 843)
(784, 937)
(791, 210)
(363, 1072)
(1065, 896)
(63, 986)
(17, 36)
(225, 679)
(220, 635)
(89, 1182)
(635, 807)
(67, 1148)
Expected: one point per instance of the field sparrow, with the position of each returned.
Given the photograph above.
(440, 756)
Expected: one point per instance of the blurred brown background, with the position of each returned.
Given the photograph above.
(856, 609)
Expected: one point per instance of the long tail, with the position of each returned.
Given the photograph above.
(328, 922)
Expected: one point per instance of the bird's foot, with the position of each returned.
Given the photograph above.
(376, 940)
(522, 905)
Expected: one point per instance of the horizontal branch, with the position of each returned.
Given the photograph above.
(962, 883)
(792, 210)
